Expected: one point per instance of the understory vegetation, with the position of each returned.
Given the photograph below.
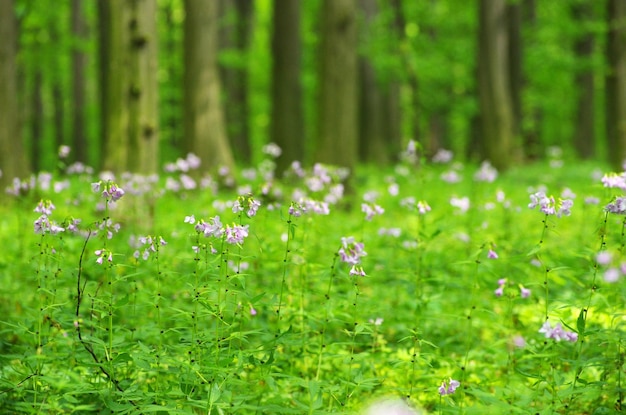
(454, 287)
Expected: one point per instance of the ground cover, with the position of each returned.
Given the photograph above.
(454, 287)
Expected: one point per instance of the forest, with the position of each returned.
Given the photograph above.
(321, 207)
(130, 85)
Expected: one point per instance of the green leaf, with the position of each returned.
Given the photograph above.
(580, 323)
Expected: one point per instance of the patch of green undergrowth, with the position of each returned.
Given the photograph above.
(151, 304)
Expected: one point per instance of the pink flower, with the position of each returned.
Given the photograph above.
(448, 389)
(492, 254)
(524, 292)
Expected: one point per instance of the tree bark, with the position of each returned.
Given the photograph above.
(78, 102)
(36, 120)
(496, 108)
(584, 131)
(235, 34)
(144, 100)
(205, 133)
(338, 77)
(130, 119)
(287, 116)
(13, 159)
(373, 136)
(616, 83)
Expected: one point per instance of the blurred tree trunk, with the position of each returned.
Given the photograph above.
(616, 83)
(58, 104)
(205, 133)
(287, 117)
(235, 34)
(115, 64)
(338, 79)
(495, 103)
(584, 132)
(143, 104)
(130, 120)
(78, 102)
(516, 53)
(13, 161)
(36, 120)
(412, 80)
(532, 121)
(373, 136)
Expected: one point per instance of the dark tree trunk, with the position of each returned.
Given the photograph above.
(338, 77)
(287, 117)
(616, 83)
(235, 34)
(78, 102)
(584, 130)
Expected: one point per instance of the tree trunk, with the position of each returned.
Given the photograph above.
(235, 34)
(78, 102)
(496, 108)
(373, 145)
(130, 122)
(115, 66)
(205, 133)
(338, 78)
(584, 132)
(287, 117)
(616, 83)
(530, 133)
(36, 120)
(144, 100)
(13, 161)
(516, 77)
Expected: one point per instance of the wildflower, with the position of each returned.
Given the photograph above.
(611, 180)
(557, 332)
(604, 258)
(617, 206)
(486, 173)
(451, 177)
(462, 203)
(371, 211)
(393, 189)
(190, 219)
(422, 207)
(443, 156)
(45, 207)
(64, 151)
(524, 292)
(377, 322)
(611, 275)
(236, 234)
(519, 341)
(351, 251)
(253, 311)
(296, 210)
(492, 254)
(101, 254)
(448, 389)
(357, 271)
(499, 291)
(272, 150)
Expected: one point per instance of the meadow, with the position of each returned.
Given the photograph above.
(449, 285)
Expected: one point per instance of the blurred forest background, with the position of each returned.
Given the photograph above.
(129, 84)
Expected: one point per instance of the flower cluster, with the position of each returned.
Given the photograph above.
(448, 388)
(150, 244)
(614, 180)
(549, 206)
(43, 224)
(557, 332)
(499, 292)
(614, 271)
(110, 191)
(486, 173)
(351, 253)
(102, 254)
(371, 210)
(247, 204)
(617, 206)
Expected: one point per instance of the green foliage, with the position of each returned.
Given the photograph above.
(277, 323)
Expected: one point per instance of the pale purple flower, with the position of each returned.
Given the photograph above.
(592, 200)
(557, 332)
(253, 311)
(524, 292)
(190, 219)
(492, 254)
(45, 207)
(422, 207)
(296, 210)
(371, 211)
(486, 173)
(614, 180)
(443, 156)
(604, 258)
(611, 275)
(273, 150)
(236, 234)
(567, 193)
(377, 321)
(351, 251)
(95, 187)
(451, 177)
(64, 151)
(617, 206)
(357, 271)
(499, 291)
(393, 189)
(448, 389)
(187, 182)
(519, 341)
(462, 203)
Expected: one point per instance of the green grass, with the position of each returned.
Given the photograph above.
(277, 324)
